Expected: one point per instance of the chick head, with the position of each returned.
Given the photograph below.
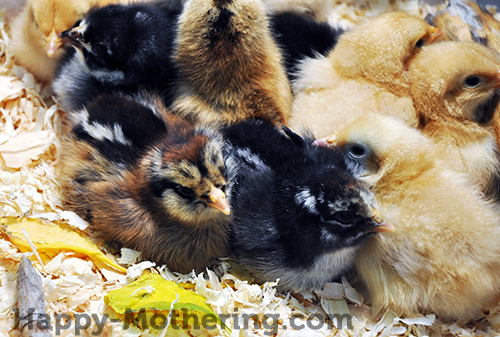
(457, 80)
(113, 37)
(383, 151)
(52, 17)
(332, 207)
(189, 177)
(380, 48)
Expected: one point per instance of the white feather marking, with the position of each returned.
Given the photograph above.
(305, 199)
(113, 77)
(79, 117)
(251, 158)
(101, 132)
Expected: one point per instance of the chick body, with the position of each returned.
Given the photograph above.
(455, 87)
(119, 48)
(366, 71)
(230, 68)
(298, 213)
(443, 257)
(147, 179)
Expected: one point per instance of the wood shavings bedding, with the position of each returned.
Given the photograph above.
(29, 126)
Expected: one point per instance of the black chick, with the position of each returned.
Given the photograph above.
(147, 179)
(298, 213)
(299, 37)
(119, 48)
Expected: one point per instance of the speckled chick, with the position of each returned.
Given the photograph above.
(148, 180)
(230, 68)
(366, 71)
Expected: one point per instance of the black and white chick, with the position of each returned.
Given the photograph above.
(299, 37)
(299, 215)
(119, 48)
(148, 180)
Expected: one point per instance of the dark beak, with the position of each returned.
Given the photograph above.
(72, 36)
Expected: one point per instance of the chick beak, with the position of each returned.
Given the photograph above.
(327, 141)
(73, 36)
(435, 33)
(54, 42)
(382, 224)
(218, 200)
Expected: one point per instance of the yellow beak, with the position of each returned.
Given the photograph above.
(53, 43)
(218, 200)
(435, 33)
(383, 225)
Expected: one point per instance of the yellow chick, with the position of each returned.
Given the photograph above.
(35, 32)
(444, 256)
(365, 71)
(455, 88)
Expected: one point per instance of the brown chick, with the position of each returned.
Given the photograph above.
(148, 180)
(444, 256)
(455, 87)
(35, 32)
(365, 71)
(230, 67)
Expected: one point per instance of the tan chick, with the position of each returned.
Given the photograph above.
(455, 87)
(444, 256)
(367, 70)
(35, 32)
(230, 67)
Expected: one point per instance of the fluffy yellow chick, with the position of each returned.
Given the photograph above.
(455, 87)
(444, 256)
(365, 71)
(35, 32)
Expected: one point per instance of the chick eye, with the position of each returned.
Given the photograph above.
(345, 218)
(420, 43)
(220, 186)
(357, 151)
(99, 48)
(184, 192)
(473, 82)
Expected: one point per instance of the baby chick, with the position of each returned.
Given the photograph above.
(35, 32)
(455, 87)
(147, 179)
(119, 48)
(230, 68)
(444, 256)
(366, 71)
(299, 37)
(298, 213)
